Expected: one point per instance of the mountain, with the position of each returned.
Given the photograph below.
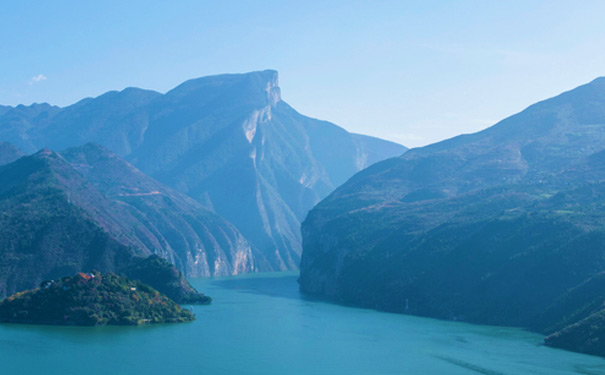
(494, 227)
(582, 327)
(197, 241)
(4, 109)
(9, 153)
(165, 278)
(21, 121)
(42, 234)
(586, 336)
(57, 221)
(228, 141)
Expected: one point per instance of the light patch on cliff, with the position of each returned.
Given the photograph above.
(251, 123)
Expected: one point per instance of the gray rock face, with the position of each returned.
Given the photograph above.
(228, 141)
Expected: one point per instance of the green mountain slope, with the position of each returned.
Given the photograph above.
(55, 222)
(166, 222)
(493, 227)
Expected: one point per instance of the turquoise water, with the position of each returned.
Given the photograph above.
(260, 324)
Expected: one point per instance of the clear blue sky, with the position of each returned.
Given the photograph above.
(413, 72)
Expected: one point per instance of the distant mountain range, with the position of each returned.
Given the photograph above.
(505, 226)
(9, 153)
(229, 141)
(92, 300)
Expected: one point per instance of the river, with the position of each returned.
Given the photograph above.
(261, 324)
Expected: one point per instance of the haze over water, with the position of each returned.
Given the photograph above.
(260, 324)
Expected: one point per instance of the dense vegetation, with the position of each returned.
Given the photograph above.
(505, 226)
(43, 234)
(586, 336)
(90, 300)
(55, 213)
(54, 223)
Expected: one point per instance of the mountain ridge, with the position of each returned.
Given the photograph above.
(115, 211)
(491, 227)
(9, 153)
(228, 141)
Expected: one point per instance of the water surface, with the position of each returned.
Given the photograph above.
(260, 324)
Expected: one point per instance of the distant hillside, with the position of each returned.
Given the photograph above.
(55, 222)
(45, 236)
(197, 241)
(228, 141)
(494, 227)
(9, 153)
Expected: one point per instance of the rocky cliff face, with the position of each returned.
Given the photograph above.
(493, 227)
(230, 142)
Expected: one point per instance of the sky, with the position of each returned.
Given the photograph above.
(414, 72)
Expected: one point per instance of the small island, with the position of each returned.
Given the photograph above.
(92, 299)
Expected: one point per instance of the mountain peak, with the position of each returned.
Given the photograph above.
(598, 81)
(43, 105)
(253, 83)
(45, 152)
(92, 151)
(415, 221)
(198, 137)
(47, 158)
(133, 93)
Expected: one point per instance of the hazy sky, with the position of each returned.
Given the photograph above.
(413, 72)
